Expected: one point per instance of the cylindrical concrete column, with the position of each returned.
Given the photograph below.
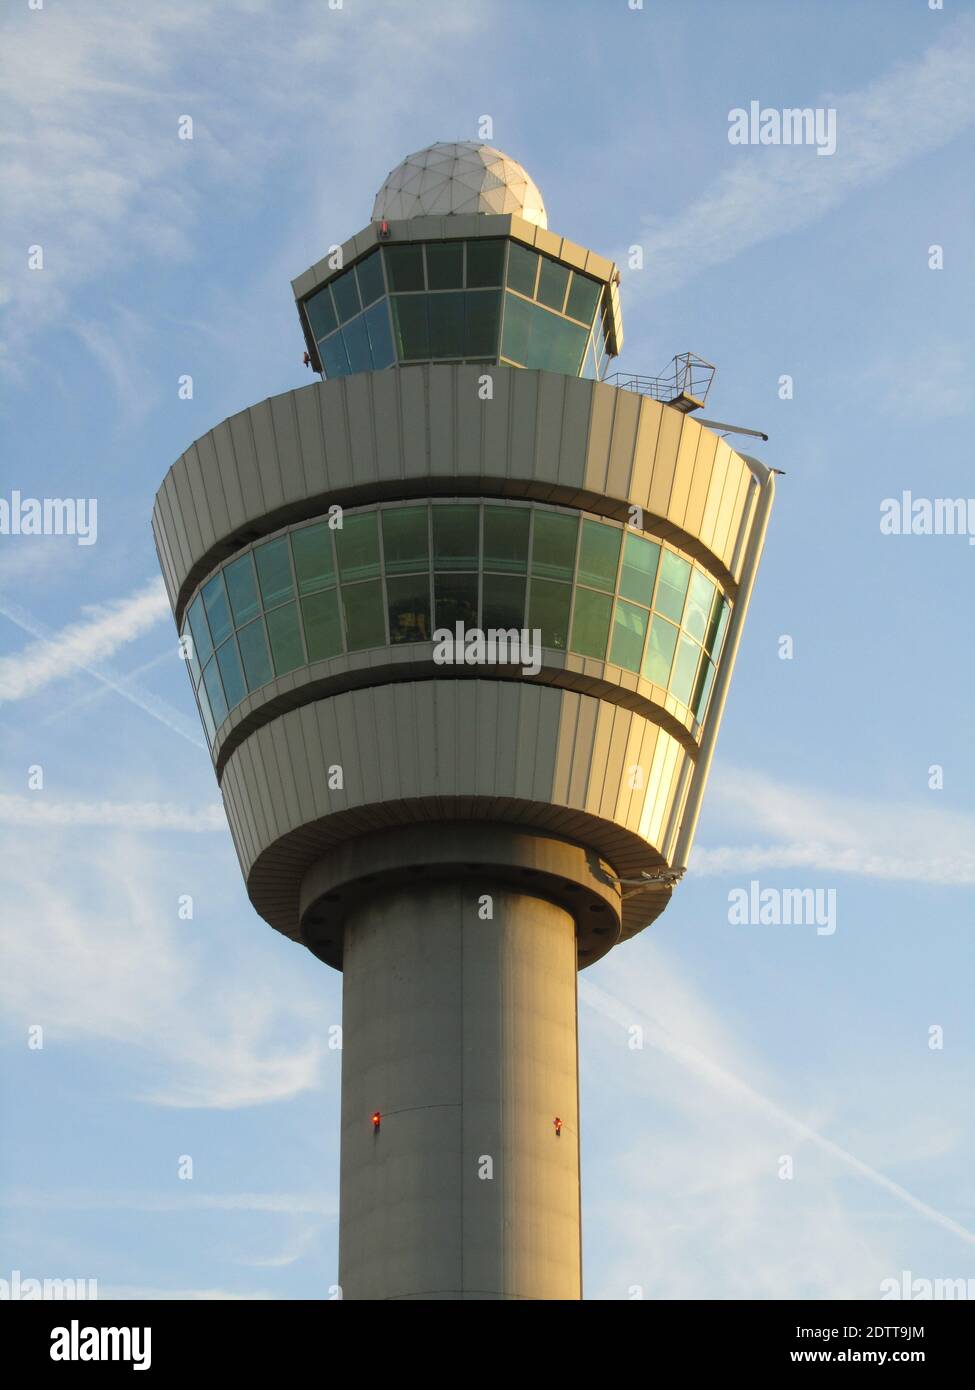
(459, 1029)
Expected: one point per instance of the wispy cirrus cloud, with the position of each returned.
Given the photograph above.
(915, 107)
(871, 837)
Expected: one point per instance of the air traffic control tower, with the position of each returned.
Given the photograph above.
(460, 839)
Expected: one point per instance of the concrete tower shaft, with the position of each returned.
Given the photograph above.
(457, 838)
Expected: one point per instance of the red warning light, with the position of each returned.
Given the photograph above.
(383, 230)
(558, 1126)
(376, 1120)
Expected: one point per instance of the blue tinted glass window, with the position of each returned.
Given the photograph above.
(357, 345)
(702, 691)
(284, 630)
(380, 338)
(346, 295)
(446, 313)
(242, 589)
(312, 547)
(200, 631)
(599, 555)
(369, 273)
(205, 714)
(699, 602)
(321, 314)
(233, 676)
(323, 631)
(252, 640)
(674, 574)
(357, 546)
(335, 359)
(214, 689)
(218, 610)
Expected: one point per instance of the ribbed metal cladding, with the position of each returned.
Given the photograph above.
(424, 430)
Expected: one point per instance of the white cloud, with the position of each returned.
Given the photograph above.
(872, 837)
(95, 952)
(79, 645)
(915, 107)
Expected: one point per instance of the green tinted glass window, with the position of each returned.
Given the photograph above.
(503, 601)
(406, 545)
(233, 676)
(590, 623)
(370, 276)
(274, 571)
(380, 337)
(506, 538)
(202, 646)
(455, 538)
(548, 610)
(218, 610)
(446, 312)
(599, 555)
(674, 574)
(482, 323)
(629, 630)
(312, 547)
(404, 267)
(716, 626)
(702, 689)
(660, 652)
(242, 588)
(534, 337)
(321, 315)
(214, 690)
(345, 295)
(445, 265)
(522, 268)
(583, 298)
(554, 545)
(700, 599)
(252, 641)
(285, 633)
(357, 546)
(411, 326)
(409, 608)
(639, 570)
(485, 261)
(685, 669)
(456, 600)
(552, 281)
(323, 631)
(365, 623)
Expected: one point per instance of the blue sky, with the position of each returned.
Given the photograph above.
(209, 1037)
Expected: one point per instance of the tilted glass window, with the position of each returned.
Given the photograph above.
(378, 580)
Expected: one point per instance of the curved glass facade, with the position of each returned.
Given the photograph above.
(482, 300)
(397, 573)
